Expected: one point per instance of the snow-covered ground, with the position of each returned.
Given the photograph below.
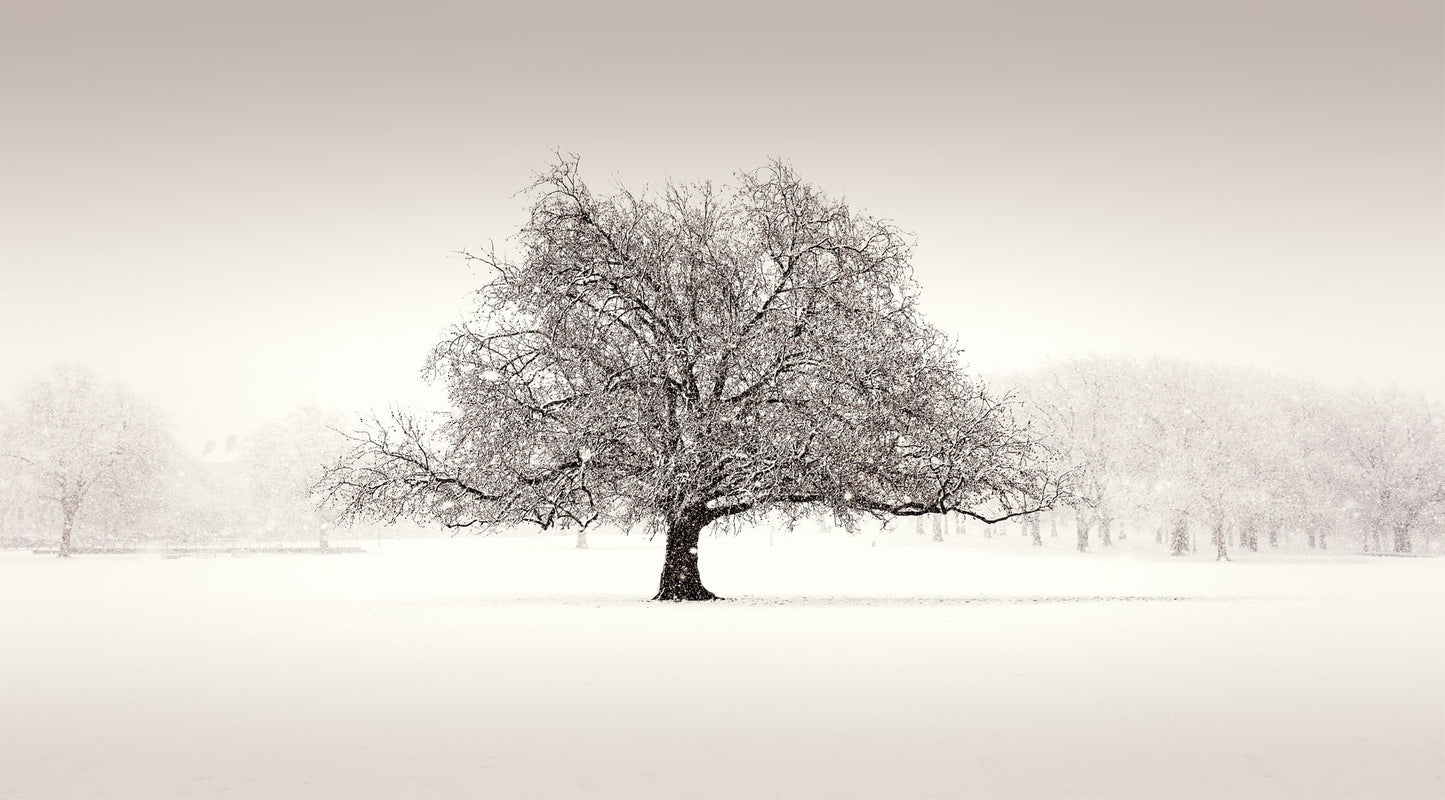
(521, 667)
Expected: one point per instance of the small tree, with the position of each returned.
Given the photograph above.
(82, 441)
(681, 359)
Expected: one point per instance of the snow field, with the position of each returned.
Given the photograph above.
(521, 667)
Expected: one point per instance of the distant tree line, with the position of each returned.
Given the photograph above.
(89, 464)
(1247, 458)
(1192, 456)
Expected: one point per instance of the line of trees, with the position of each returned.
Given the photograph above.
(1179, 452)
(1174, 447)
(84, 458)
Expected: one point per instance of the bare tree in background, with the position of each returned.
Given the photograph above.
(85, 443)
(1240, 454)
(1393, 463)
(282, 461)
(1087, 407)
(680, 359)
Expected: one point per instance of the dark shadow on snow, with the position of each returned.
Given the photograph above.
(844, 601)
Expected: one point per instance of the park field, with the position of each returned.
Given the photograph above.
(874, 665)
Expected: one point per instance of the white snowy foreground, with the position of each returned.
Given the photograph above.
(520, 667)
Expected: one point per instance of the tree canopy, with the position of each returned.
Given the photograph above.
(676, 359)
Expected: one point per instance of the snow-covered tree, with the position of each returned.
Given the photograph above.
(88, 447)
(1239, 455)
(1228, 450)
(1089, 409)
(680, 359)
(1392, 463)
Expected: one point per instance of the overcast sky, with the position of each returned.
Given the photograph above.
(238, 207)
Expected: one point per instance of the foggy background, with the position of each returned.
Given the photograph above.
(238, 208)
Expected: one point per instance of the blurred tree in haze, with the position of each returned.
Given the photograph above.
(93, 450)
(1246, 455)
(680, 359)
(1087, 409)
(1392, 458)
(282, 461)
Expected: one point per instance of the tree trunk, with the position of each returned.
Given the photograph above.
(1179, 537)
(581, 538)
(681, 579)
(67, 523)
(325, 539)
(1159, 534)
(1312, 539)
(1035, 528)
(1081, 528)
(1402, 537)
(1249, 536)
(1323, 544)
(1221, 542)
(1274, 534)
(1105, 531)
(1053, 525)
(937, 528)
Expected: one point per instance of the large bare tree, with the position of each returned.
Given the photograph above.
(677, 359)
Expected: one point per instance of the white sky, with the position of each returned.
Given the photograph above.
(236, 209)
